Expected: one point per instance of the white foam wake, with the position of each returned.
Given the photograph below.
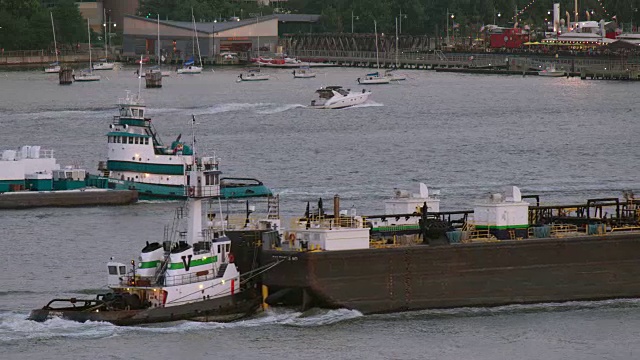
(280, 109)
(368, 103)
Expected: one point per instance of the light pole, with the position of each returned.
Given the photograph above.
(401, 17)
(498, 14)
(452, 16)
(353, 17)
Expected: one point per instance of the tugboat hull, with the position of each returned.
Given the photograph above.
(223, 309)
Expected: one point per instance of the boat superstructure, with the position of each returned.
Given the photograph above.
(139, 159)
(335, 97)
(190, 275)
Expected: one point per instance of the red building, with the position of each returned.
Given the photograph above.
(509, 38)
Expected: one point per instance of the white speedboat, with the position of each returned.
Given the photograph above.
(374, 79)
(303, 72)
(335, 97)
(253, 75)
(392, 75)
(552, 72)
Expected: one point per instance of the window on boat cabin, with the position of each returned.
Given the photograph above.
(123, 270)
(219, 249)
(227, 246)
(123, 111)
(130, 140)
(119, 139)
(135, 141)
(113, 270)
(141, 112)
(146, 141)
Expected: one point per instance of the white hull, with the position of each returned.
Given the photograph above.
(253, 78)
(555, 73)
(86, 77)
(304, 76)
(104, 66)
(370, 80)
(190, 70)
(52, 70)
(341, 103)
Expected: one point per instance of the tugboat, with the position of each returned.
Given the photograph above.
(190, 276)
(139, 160)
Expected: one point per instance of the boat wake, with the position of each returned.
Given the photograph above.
(280, 109)
(368, 103)
(55, 114)
(512, 309)
(14, 326)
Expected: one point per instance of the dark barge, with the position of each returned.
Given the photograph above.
(564, 253)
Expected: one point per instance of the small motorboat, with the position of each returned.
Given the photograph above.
(253, 75)
(303, 72)
(335, 97)
(551, 71)
(374, 79)
(155, 69)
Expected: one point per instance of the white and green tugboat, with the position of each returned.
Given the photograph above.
(191, 275)
(139, 160)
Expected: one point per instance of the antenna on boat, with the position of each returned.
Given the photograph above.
(221, 215)
(140, 78)
(193, 139)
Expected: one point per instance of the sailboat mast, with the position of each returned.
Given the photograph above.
(55, 44)
(375, 29)
(258, 31)
(195, 32)
(106, 38)
(396, 42)
(89, 35)
(158, 39)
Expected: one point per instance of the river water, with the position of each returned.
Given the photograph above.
(565, 139)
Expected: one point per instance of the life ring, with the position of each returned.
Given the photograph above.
(231, 258)
(292, 237)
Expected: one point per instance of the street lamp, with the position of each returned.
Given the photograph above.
(401, 17)
(353, 17)
(499, 14)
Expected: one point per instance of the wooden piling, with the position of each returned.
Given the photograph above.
(65, 76)
(153, 79)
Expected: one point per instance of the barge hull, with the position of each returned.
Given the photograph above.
(64, 198)
(481, 274)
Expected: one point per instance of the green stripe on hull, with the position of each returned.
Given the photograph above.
(5, 185)
(164, 169)
(501, 227)
(196, 262)
(148, 264)
(396, 228)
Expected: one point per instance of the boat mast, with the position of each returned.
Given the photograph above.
(396, 42)
(89, 35)
(158, 40)
(106, 38)
(55, 44)
(195, 32)
(375, 29)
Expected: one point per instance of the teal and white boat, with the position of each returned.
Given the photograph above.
(138, 159)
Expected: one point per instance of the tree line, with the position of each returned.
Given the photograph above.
(26, 25)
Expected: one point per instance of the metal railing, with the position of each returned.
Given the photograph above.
(168, 280)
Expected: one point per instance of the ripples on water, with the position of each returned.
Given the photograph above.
(565, 139)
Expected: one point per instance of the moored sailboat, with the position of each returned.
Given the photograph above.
(105, 64)
(189, 67)
(87, 75)
(375, 77)
(53, 67)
